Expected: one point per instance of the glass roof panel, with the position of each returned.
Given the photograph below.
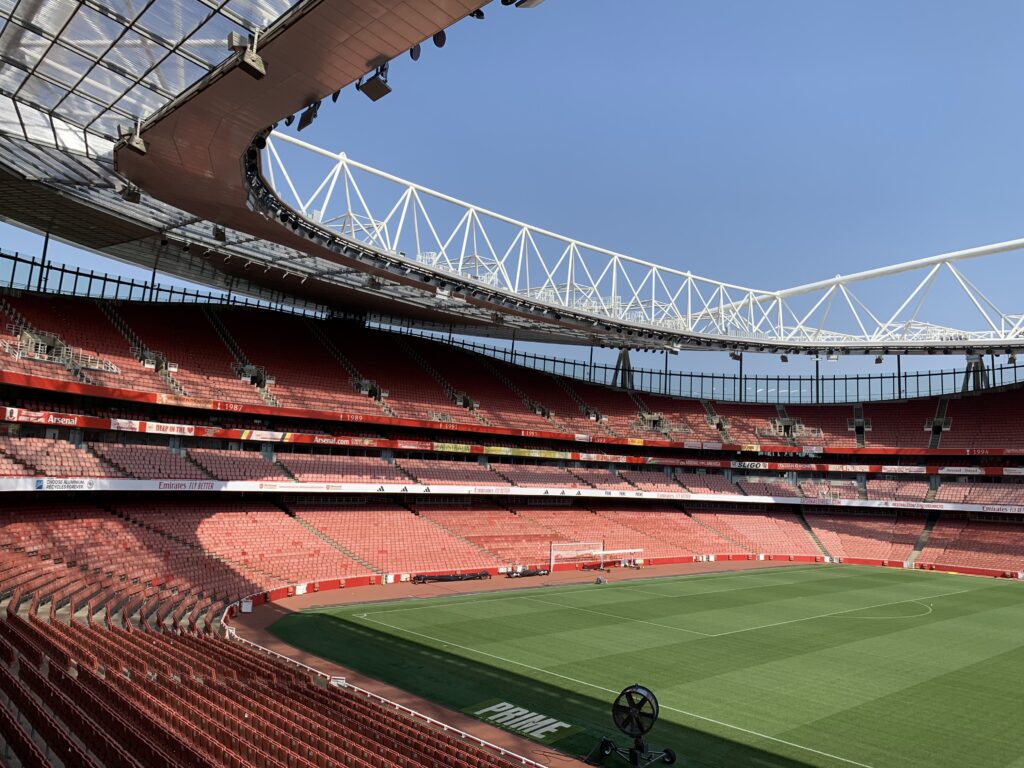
(140, 100)
(174, 74)
(91, 32)
(79, 110)
(259, 13)
(174, 20)
(21, 45)
(49, 17)
(134, 54)
(210, 42)
(11, 77)
(104, 85)
(102, 63)
(40, 93)
(63, 65)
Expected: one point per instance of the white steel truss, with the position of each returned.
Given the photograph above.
(485, 249)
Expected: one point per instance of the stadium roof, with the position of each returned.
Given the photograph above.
(83, 72)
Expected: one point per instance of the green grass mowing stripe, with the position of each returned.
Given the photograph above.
(612, 691)
(615, 616)
(461, 600)
(559, 643)
(839, 613)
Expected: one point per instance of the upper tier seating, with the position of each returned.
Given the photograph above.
(321, 468)
(991, 419)
(566, 414)
(620, 413)
(686, 419)
(745, 421)
(149, 462)
(822, 425)
(183, 334)
(897, 490)
(235, 465)
(81, 325)
(874, 537)
(479, 378)
(443, 472)
(55, 458)
(9, 344)
(394, 540)
(895, 425)
(306, 374)
(384, 358)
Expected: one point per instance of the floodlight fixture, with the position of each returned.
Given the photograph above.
(477, 14)
(309, 115)
(334, 96)
(414, 52)
(289, 120)
(784, 358)
(1011, 359)
(249, 61)
(219, 234)
(440, 38)
(376, 86)
(131, 194)
(878, 359)
(132, 139)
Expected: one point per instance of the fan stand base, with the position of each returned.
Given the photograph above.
(637, 756)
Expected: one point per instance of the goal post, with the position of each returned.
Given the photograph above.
(579, 553)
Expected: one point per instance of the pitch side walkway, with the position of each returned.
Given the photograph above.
(255, 626)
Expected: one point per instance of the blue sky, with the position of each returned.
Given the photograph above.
(769, 144)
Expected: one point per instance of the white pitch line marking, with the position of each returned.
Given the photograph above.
(615, 616)
(838, 613)
(584, 683)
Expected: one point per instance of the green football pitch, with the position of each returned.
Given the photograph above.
(824, 666)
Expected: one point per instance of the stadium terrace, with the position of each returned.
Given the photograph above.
(308, 505)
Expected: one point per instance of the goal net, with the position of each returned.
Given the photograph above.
(592, 553)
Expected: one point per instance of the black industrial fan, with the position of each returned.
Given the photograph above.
(635, 712)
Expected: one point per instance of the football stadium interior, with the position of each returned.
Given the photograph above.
(322, 511)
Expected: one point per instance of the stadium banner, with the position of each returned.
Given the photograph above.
(413, 489)
(154, 398)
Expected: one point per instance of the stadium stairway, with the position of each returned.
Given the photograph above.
(449, 390)
(584, 407)
(317, 329)
(739, 547)
(454, 534)
(716, 421)
(236, 352)
(811, 533)
(330, 542)
(922, 540)
(137, 345)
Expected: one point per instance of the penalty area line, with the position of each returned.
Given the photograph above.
(596, 687)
